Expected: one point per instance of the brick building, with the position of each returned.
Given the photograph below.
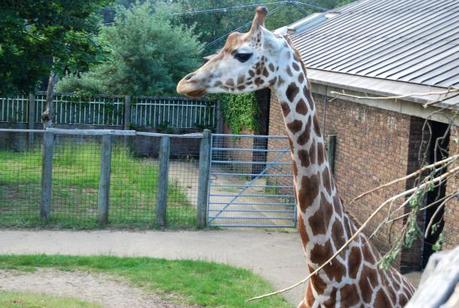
(375, 48)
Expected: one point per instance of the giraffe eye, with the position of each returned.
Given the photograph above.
(242, 57)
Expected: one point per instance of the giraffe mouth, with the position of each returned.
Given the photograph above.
(189, 88)
(196, 93)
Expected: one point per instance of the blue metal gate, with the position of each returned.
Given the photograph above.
(251, 184)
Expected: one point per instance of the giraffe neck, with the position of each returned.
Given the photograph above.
(323, 225)
(353, 276)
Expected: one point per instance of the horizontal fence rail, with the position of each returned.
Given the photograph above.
(116, 111)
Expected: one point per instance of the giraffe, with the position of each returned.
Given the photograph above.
(260, 59)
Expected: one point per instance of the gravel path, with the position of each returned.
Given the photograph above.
(91, 287)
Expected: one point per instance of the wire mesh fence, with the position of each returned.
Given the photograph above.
(76, 180)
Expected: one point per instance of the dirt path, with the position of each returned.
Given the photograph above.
(276, 256)
(91, 287)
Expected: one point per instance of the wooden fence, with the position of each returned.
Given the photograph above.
(117, 111)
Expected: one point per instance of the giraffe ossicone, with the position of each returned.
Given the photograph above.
(261, 59)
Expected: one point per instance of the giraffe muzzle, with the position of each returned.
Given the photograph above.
(190, 87)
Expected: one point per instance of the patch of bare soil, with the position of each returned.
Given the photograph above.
(91, 287)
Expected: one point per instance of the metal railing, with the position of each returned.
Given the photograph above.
(117, 111)
(251, 184)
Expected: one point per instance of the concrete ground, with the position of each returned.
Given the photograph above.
(276, 256)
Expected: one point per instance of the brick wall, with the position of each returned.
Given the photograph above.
(373, 147)
(451, 216)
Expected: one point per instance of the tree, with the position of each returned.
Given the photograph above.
(146, 53)
(41, 36)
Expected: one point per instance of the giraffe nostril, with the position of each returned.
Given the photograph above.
(189, 76)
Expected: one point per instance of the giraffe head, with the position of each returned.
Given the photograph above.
(246, 63)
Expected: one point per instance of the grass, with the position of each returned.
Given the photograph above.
(76, 169)
(193, 282)
(31, 300)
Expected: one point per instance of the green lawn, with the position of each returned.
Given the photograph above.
(31, 300)
(76, 169)
(193, 282)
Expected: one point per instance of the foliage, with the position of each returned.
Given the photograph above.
(76, 171)
(40, 36)
(239, 111)
(411, 231)
(31, 300)
(196, 282)
(146, 53)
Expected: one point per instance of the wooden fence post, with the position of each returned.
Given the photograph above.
(204, 173)
(219, 127)
(127, 112)
(331, 152)
(46, 175)
(31, 118)
(104, 180)
(161, 198)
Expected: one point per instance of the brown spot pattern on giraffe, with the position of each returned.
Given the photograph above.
(337, 234)
(349, 295)
(320, 153)
(295, 126)
(285, 109)
(381, 300)
(367, 281)
(335, 270)
(354, 262)
(331, 301)
(318, 221)
(316, 126)
(295, 66)
(292, 91)
(301, 78)
(308, 191)
(309, 297)
(303, 155)
(304, 137)
(307, 94)
(302, 229)
(312, 152)
(326, 180)
(301, 107)
(265, 72)
(321, 253)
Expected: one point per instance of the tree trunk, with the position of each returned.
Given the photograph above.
(47, 115)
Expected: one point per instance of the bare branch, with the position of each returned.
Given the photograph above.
(359, 230)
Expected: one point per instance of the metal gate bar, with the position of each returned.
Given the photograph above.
(232, 199)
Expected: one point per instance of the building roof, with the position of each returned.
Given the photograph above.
(411, 41)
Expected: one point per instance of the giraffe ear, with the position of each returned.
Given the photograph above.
(259, 19)
(271, 43)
